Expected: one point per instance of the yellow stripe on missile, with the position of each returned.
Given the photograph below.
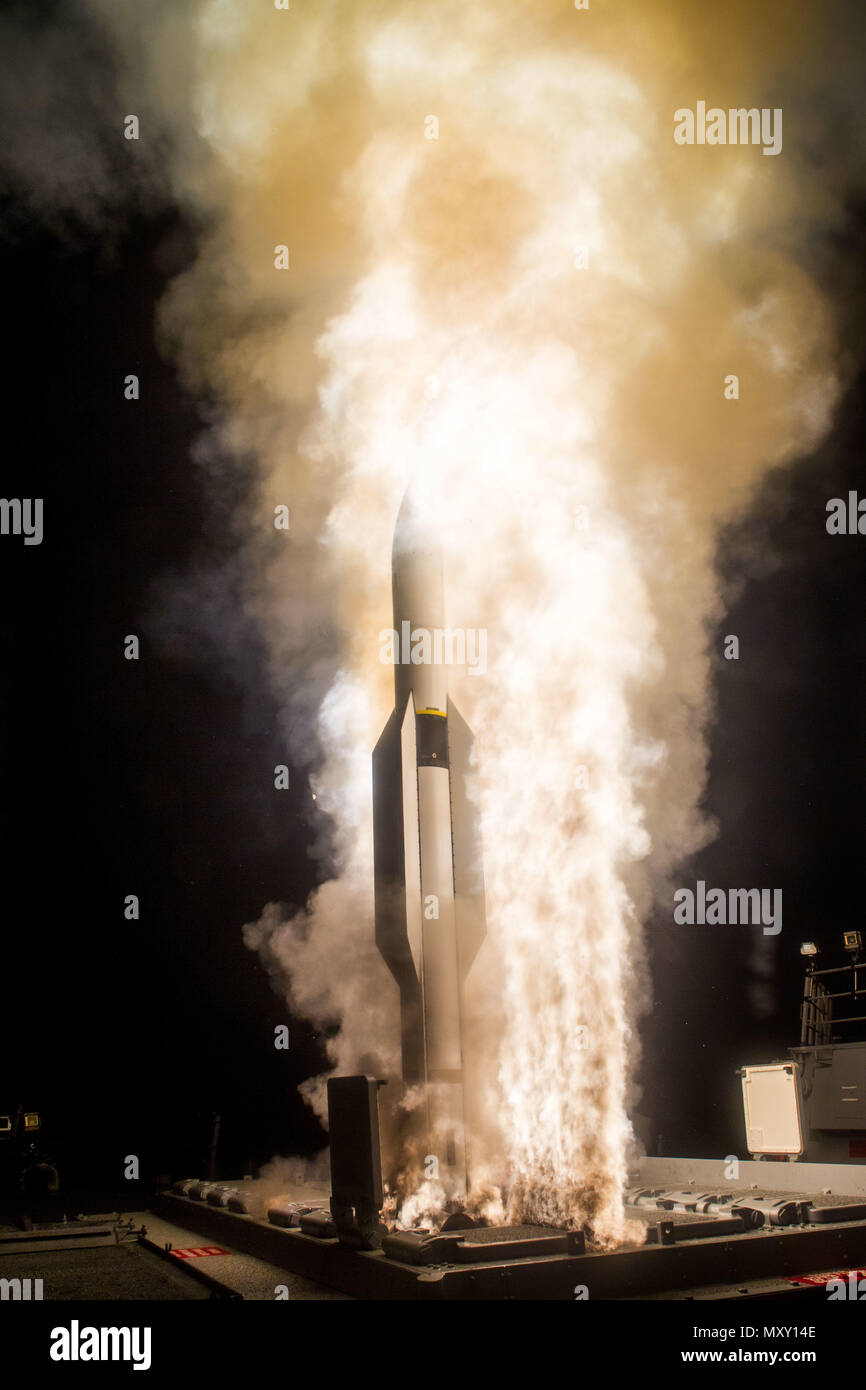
(440, 712)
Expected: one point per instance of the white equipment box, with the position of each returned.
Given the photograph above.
(773, 1109)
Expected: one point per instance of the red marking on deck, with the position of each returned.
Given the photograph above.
(820, 1281)
(197, 1252)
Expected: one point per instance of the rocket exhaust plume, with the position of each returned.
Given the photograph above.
(508, 287)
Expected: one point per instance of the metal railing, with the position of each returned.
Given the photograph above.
(819, 1012)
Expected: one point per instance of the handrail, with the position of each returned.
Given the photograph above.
(817, 1015)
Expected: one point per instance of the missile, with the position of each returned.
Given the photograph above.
(429, 891)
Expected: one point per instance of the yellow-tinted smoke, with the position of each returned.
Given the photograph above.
(570, 426)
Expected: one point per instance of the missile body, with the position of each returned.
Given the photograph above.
(429, 894)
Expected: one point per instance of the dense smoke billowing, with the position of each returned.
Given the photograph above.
(509, 285)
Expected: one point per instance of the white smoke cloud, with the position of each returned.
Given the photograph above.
(435, 326)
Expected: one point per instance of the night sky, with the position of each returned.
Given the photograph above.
(156, 777)
(152, 777)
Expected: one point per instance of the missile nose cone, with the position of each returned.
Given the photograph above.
(417, 545)
(419, 604)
